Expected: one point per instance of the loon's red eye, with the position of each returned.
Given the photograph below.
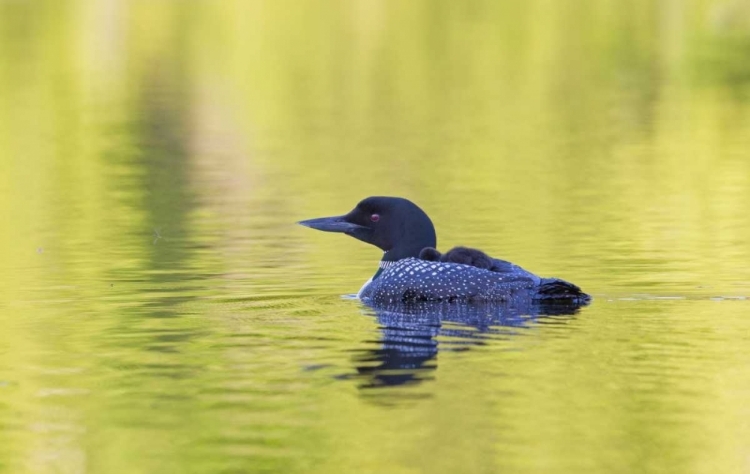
(375, 217)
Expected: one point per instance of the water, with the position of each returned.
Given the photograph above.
(161, 312)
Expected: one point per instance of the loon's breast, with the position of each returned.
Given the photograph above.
(412, 279)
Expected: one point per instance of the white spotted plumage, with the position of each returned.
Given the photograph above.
(411, 278)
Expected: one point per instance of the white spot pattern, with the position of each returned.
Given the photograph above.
(414, 279)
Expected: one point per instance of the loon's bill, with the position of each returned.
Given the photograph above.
(331, 224)
(413, 270)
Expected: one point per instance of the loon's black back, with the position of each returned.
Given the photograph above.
(413, 279)
(413, 270)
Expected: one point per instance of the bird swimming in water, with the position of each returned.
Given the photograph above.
(413, 270)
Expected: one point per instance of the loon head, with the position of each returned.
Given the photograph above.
(395, 225)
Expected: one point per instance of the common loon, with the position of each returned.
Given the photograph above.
(413, 270)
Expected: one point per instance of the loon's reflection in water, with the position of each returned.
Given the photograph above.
(407, 351)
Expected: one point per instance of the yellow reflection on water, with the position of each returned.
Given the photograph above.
(160, 310)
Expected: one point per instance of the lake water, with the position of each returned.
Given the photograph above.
(161, 311)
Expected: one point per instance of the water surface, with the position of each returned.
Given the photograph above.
(161, 312)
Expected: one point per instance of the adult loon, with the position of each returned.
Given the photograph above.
(413, 270)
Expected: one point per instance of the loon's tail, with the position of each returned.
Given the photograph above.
(556, 289)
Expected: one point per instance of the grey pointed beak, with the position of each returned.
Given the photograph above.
(331, 224)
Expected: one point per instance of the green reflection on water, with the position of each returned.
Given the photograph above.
(161, 312)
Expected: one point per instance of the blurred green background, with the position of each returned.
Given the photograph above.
(160, 310)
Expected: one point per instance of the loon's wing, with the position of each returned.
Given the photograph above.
(548, 288)
(505, 267)
(557, 289)
(411, 279)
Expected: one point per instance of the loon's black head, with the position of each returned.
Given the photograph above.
(395, 225)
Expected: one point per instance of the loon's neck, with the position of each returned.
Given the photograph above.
(382, 266)
(407, 248)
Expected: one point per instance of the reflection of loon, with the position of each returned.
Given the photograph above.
(412, 270)
(408, 349)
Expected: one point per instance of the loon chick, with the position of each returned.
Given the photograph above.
(413, 270)
(464, 255)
